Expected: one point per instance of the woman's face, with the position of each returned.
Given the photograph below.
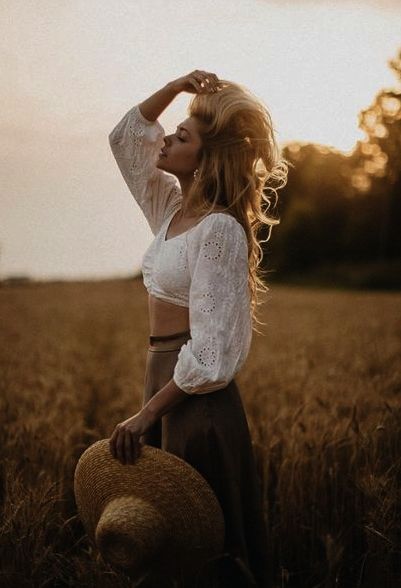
(181, 150)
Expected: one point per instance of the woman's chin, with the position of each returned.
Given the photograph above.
(160, 162)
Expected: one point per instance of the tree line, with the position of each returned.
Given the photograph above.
(339, 208)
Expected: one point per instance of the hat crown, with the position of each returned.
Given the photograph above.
(145, 532)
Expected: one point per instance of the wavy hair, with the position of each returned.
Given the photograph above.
(240, 168)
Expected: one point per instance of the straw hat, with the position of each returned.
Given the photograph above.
(157, 513)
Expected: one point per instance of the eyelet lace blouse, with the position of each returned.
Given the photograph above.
(204, 268)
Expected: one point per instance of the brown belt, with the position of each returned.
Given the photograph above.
(153, 338)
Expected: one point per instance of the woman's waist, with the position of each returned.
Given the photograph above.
(166, 318)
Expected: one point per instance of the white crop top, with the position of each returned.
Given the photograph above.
(204, 269)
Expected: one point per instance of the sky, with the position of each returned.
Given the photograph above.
(72, 69)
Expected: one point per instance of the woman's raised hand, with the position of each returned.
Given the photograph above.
(197, 82)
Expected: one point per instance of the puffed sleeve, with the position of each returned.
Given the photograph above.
(135, 143)
(219, 306)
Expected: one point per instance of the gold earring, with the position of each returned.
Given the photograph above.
(196, 173)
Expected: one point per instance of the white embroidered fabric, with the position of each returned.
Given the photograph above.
(205, 268)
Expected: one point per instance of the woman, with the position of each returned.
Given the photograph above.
(201, 191)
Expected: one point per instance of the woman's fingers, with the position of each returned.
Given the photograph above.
(216, 82)
(124, 446)
(196, 85)
(211, 79)
(204, 83)
(137, 448)
(120, 447)
(112, 443)
(128, 448)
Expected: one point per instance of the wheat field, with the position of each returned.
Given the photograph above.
(321, 390)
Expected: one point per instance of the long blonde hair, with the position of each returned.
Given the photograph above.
(240, 164)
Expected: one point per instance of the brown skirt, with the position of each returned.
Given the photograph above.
(210, 432)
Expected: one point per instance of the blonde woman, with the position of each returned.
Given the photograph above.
(201, 190)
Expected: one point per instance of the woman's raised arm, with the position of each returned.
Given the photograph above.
(152, 107)
(197, 81)
(136, 142)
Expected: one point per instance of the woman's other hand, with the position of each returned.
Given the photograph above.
(196, 82)
(125, 444)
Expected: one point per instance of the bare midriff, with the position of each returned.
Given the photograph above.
(166, 318)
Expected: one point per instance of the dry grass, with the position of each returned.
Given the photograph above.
(321, 390)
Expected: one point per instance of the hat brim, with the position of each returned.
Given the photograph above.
(171, 516)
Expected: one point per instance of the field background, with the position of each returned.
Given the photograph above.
(321, 390)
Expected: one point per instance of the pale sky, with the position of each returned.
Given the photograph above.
(71, 69)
